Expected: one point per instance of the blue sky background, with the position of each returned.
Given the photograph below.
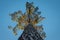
(49, 8)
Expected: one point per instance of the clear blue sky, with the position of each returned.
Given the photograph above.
(49, 8)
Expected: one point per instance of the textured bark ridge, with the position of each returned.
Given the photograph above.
(30, 33)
